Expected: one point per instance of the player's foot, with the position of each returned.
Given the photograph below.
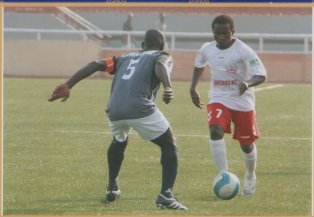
(249, 186)
(167, 200)
(112, 195)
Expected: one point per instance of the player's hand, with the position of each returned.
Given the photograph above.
(196, 99)
(61, 91)
(167, 95)
(243, 86)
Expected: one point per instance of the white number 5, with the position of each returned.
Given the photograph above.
(127, 75)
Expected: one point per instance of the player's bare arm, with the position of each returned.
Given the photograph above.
(63, 90)
(196, 99)
(254, 81)
(163, 69)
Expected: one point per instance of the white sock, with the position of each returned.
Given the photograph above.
(250, 163)
(219, 154)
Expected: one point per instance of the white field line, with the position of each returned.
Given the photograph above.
(268, 87)
(177, 135)
(109, 133)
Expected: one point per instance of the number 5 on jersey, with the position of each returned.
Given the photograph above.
(130, 69)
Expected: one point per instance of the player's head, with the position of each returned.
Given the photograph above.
(130, 16)
(223, 20)
(154, 40)
(162, 17)
(223, 29)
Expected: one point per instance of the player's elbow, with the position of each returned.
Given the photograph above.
(263, 78)
(260, 78)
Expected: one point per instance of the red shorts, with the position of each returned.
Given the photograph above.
(245, 127)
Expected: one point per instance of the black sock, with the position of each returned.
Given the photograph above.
(115, 156)
(169, 162)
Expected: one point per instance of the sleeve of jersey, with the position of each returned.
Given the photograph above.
(254, 64)
(167, 63)
(110, 65)
(200, 61)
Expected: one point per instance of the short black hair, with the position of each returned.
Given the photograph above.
(223, 19)
(154, 39)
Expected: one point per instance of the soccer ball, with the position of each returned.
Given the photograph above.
(226, 185)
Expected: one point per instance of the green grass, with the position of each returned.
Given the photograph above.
(55, 154)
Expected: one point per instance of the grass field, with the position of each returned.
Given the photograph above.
(55, 154)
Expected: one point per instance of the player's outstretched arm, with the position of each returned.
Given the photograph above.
(63, 90)
(195, 96)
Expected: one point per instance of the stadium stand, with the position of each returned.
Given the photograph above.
(283, 55)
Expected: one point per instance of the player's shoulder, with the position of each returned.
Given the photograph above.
(242, 45)
(153, 52)
(208, 45)
(244, 49)
(164, 53)
(164, 57)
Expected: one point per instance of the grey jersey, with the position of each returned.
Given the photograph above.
(134, 87)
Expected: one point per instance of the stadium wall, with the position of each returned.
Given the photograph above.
(48, 58)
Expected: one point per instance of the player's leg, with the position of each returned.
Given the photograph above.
(115, 156)
(219, 118)
(250, 158)
(218, 147)
(246, 133)
(169, 163)
(156, 129)
(168, 159)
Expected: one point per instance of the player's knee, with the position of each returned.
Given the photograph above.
(165, 139)
(116, 148)
(169, 154)
(170, 147)
(117, 143)
(247, 148)
(216, 132)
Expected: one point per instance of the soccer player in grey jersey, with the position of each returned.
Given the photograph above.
(137, 78)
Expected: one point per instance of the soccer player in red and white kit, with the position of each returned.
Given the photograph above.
(235, 70)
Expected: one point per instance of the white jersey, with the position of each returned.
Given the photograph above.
(230, 67)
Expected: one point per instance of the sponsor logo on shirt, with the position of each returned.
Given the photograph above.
(225, 82)
(232, 69)
(254, 62)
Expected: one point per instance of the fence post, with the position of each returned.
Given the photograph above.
(306, 44)
(261, 44)
(38, 36)
(173, 41)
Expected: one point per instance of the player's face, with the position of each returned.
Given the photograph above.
(223, 35)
